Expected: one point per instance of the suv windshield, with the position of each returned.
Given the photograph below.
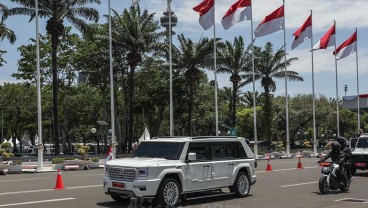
(362, 143)
(167, 150)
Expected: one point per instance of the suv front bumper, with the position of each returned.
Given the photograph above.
(133, 189)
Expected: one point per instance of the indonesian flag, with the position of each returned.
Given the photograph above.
(239, 11)
(135, 2)
(303, 33)
(346, 48)
(110, 156)
(272, 23)
(206, 10)
(328, 39)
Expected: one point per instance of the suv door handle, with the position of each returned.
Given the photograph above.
(231, 164)
(206, 166)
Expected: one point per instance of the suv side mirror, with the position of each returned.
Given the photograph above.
(192, 156)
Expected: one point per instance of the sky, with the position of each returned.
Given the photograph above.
(348, 14)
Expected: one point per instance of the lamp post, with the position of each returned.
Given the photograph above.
(168, 21)
(93, 131)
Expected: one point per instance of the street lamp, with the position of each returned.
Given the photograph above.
(93, 131)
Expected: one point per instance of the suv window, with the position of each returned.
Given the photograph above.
(240, 152)
(362, 143)
(201, 150)
(167, 150)
(222, 150)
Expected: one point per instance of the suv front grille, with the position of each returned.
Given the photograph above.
(122, 174)
(359, 158)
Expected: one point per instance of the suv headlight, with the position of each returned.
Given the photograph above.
(142, 172)
(107, 171)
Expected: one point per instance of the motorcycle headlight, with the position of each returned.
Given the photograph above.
(325, 169)
(142, 172)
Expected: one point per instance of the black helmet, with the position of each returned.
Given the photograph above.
(335, 147)
(342, 142)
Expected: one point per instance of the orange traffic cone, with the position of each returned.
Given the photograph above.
(59, 182)
(269, 167)
(300, 166)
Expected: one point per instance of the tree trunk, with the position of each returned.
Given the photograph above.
(131, 106)
(267, 115)
(55, 83)
(233, 116)
(190, 128)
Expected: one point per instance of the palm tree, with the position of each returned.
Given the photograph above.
(57, 11)
(269, 66)
(233, 60)
(247, 98)
(192, 57)
(4, 31)
(137, 34)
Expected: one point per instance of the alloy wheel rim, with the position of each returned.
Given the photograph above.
(243, 184)
(171, 193)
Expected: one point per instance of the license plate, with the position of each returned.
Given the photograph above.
(118, 185)
(360, 164)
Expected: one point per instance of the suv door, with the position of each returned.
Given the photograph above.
(198, 172)
(222, 155)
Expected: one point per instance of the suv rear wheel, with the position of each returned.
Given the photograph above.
(169, 193)
(241, 185)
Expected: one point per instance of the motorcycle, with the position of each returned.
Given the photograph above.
(331, 178)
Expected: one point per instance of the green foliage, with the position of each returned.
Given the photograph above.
(95, 159)
(16, 162)
(82, 150)
(58, 160)
(2, 151)
(5, 145)
(278, 145)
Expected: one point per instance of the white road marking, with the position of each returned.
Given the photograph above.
(43, 190)
(353, 199)
(298, 184)
(30, 179)
(36, 202)
(263, 171)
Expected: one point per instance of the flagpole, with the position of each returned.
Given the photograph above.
(254, 95)
(314, 97)
(215, 67)
(170, 65)
(39, 109)
(357, 66)
(286, 94)
(337, 90)
(113, 140)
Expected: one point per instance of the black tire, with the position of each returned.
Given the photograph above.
(120, 199)
(323, 188)
(353, 171)
(169, 193)
(241, 186)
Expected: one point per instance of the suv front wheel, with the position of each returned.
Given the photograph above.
(169, 193)
(241, 185)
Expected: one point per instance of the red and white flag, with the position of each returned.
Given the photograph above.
(135, 2)
(272, 23)
(110, 156)
(239, 11)
(206, 10)
(303, 33)
(346, 48)
(328, 39)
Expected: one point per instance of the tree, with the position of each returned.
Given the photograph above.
(193, 58)
(136, 32)
(267, 67)
(4, 31)
(57, 11)
(233, 60)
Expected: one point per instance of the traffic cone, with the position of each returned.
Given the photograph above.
(300, 166)
(59, 182)
(269, 167)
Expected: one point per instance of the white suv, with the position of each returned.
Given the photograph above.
(169, 168)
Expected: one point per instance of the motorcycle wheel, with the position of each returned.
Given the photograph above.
(345, 187)
(323, 185)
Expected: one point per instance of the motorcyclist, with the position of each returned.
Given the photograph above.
(347, 151)
(337, 156)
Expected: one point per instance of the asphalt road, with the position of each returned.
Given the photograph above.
(284, 187)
